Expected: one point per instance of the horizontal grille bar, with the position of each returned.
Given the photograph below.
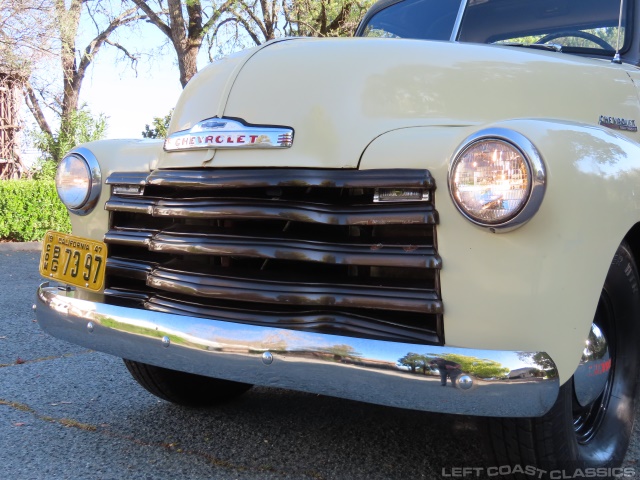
(277, 291)
(281, 248)
(134, 269)
(307, 320)
(276, 177)
(378, 214)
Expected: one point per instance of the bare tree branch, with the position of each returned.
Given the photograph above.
(223, 23)
(94, 46)
(186, 25)
(34, 107)
(216, 16)
(134, 59)
(154, 17)
(250, 11)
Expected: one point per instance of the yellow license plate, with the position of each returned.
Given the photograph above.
(73, 260)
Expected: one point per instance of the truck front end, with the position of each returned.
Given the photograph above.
(368, 218)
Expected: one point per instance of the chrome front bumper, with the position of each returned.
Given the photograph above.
(520, 384)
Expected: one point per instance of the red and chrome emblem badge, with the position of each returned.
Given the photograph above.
(228, 133)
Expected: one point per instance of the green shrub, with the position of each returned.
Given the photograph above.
(44, 169)
(28, 208)
(79, 126)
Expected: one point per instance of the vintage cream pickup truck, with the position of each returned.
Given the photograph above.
(451, 200)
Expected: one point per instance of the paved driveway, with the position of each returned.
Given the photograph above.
(66, 412)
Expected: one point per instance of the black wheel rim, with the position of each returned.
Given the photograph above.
(587, 419)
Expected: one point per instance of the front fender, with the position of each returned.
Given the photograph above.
(114, 156)
(535, 288)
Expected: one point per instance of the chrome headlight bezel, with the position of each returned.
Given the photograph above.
(93, 179)
(535, 170)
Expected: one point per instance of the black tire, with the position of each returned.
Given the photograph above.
(183, 388)
(569, 436)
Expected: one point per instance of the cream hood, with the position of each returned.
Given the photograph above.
(340, 94)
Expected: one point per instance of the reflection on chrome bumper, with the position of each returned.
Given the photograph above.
(488, 382)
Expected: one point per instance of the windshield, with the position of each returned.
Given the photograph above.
(588, 26)
(420, 19)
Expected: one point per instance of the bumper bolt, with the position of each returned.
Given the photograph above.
(267, 358)
(465, 382)
(166, 341)
(90, 327)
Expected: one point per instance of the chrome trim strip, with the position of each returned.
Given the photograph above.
(355, 368)
(130, 238)
(135, 269)
(373, 214)
(96, 180)
(456, 26)
(127, 178)
(291, 177)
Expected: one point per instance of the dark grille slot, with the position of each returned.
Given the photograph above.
(300, 249)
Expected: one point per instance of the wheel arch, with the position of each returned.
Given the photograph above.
(633, 240)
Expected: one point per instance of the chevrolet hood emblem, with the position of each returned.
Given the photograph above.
(228, 133)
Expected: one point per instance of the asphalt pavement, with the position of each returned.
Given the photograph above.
(70, 413)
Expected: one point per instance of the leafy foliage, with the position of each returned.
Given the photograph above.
(414, 361)
(342, 351)
(28, 208)
(324, 18)
(158, 128)
(25, 35)
(246, 23)
(479, 367)
(79, 127)
(44, 169)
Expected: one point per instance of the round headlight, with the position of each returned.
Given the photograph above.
(78, 181)
(497, 179)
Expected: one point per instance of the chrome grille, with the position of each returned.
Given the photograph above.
(291, 248)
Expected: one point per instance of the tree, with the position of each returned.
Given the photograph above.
(185, 25)
(258, 18)
(25, 40)
(81, 127)
(25, 34)
(342, 352)
(74, 63)
(478, 367)
(159, 128)
(324, 18)
(540, 361)
(264, 20)
(412, 360)
(240, 23)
